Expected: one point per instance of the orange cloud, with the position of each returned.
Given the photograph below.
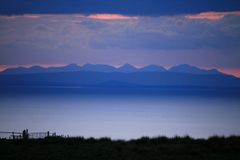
(211, 15)
(110, 17)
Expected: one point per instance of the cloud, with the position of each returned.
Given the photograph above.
(93, 24)
(32, 16)
(110, 17)
(111, 31)
(76, 38)
(41, 28)
(25, 16)
(211, 15)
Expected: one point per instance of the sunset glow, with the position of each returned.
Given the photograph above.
(211, 15)
(110, 17)
(234, 71)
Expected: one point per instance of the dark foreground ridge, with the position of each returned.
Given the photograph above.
(58, 148)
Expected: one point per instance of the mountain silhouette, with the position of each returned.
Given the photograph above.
(39, 69)
(185, 68)
(119, 79)
(127, 76)
(153, 68)
(127, 68)
(98, 68)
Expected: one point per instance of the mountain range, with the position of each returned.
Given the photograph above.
(127, 76)
(127, 68)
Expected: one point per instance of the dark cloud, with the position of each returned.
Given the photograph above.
(129, 7)
(160, 33)
(149, 41)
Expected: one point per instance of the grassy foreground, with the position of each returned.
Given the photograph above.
(160, 148)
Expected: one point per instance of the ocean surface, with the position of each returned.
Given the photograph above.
(121, 116)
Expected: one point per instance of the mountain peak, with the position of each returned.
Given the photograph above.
(72, 65)
(127, 65)
(36, 67)
(98, 68)
(153, 68)
(127, 68)
(88, 65)
(185, 68)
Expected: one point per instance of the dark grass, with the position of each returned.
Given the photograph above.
(160, 148)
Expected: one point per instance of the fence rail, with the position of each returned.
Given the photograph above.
(26, 135)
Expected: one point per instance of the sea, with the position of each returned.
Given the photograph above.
(119, 113)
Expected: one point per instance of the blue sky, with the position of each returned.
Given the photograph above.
(141, 32)
(129, 7)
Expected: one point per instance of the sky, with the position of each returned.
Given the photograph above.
(203, 33)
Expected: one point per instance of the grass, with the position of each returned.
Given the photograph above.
(159, 148)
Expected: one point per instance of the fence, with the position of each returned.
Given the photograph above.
(26, 135)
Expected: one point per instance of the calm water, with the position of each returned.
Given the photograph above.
(121, 116)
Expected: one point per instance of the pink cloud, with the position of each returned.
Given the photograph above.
(26, 16)
(32, 16)
(211, 15)
(110, 17)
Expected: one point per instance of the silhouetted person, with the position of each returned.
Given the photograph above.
(13, 136)
(25, 134)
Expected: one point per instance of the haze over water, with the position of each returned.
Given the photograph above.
(121, 116)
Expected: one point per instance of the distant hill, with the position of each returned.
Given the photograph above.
(127, 76)
(127, 68)
(98, 68)
(152, 68)
(39, 69)
(119, 79)
(185, 68)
